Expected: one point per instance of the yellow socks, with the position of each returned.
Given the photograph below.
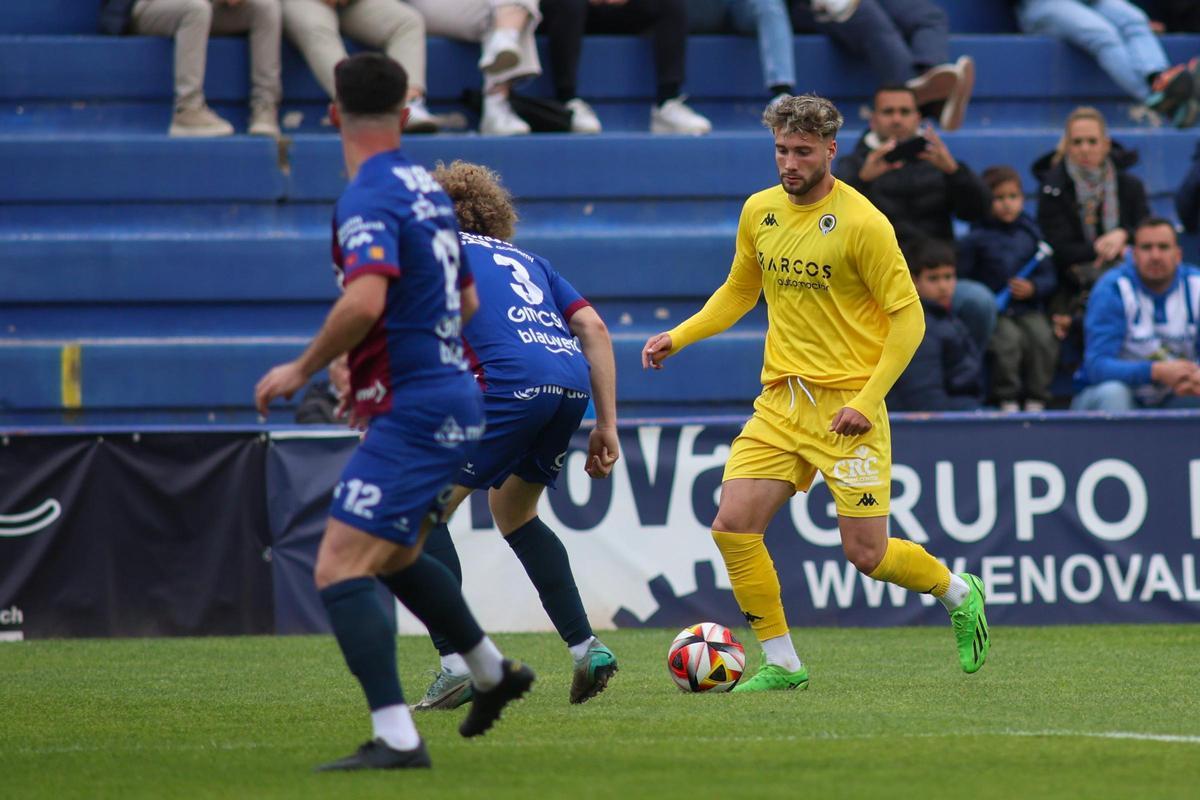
(907, 564)
(755, 582)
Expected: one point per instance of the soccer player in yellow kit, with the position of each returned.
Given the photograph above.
(844, 320)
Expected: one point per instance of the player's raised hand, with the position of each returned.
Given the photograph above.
(603, 452)
(849, 422)
(657, 348)
(281, 381)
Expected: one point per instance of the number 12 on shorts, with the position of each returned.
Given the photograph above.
(360, 497)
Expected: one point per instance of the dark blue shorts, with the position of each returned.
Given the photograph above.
(403, 470)
(526, 436)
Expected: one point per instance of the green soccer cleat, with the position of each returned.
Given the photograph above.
(774, 678)
(970, 627)
(446, 692)
(592, 672)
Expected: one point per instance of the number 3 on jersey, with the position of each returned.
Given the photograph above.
(525, 288)
(445, 249)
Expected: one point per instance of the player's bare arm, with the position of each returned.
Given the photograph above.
(603, 447)
(348, 323)
(470, 303)
(657, 348)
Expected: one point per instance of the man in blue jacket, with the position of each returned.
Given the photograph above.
(1141, 329)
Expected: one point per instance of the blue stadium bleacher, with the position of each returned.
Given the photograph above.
(182, 269)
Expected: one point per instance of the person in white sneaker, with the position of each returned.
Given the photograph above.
(315, 27)
(566, 21)
(189, 23)
(508, 52)
(905, 42)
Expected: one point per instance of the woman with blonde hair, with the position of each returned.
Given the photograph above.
(1088, 208)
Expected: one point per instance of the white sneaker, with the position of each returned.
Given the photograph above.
(777, 99)
(499, 119)
(834, 10)
(501, 51)
(264, 121)
(419, 118)
(1035, 406)
(673, 116)
(583, 118)
(1009, 406)
(199, 122)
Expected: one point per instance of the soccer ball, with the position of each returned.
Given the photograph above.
(706, 658)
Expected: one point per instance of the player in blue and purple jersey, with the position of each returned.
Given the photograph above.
(538, 349)
(405, 294)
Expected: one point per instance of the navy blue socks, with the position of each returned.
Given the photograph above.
(545, 561)
(366, 638)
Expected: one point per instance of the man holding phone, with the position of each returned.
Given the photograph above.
(906, 170)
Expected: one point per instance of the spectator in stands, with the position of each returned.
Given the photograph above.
(768, 19)
(315, 28)
(189, 23)
(566, 21)
(1142, 329)
(322, 402)
(1117, 34)
(920, 194)
(1023, 348)
(944, 374)
(504, 28)
(905, 42)
(1087, 211)
(1187, 199)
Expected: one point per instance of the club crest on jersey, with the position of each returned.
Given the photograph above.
(827, 223)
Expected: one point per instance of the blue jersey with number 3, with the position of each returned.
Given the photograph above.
(394, 220)
(519, 338)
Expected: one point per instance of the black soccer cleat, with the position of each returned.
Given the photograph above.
(377, 754)
(514, 682)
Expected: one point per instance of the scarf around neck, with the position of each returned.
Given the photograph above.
(1096, 194)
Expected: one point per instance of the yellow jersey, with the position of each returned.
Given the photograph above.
(831, 273)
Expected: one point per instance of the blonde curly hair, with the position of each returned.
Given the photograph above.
(481, 203)
(805, 113)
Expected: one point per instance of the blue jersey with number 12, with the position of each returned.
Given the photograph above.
(519, 338)
(395, 220)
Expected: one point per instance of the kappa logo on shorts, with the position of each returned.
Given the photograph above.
(860, 471)
(769, 220)
(867, 499)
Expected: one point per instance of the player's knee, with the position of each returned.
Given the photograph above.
(865, 556)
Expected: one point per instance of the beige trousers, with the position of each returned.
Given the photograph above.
(315, 29)
(472, 20)
(190, 22)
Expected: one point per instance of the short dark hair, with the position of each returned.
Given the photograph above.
(892, 87)
(994, 176)
(930, 254)
(370, 84)
(1154, 222)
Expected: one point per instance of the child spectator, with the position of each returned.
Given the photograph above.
(944, 374)
(1023, 346)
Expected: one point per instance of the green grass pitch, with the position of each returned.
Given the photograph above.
(1104, 711)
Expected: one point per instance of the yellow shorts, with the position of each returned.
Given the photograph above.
(788, 439)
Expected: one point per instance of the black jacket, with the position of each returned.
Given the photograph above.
(1187, 199)
(944, 374)
(994, 251)
(919, 195)
(1058, 216)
